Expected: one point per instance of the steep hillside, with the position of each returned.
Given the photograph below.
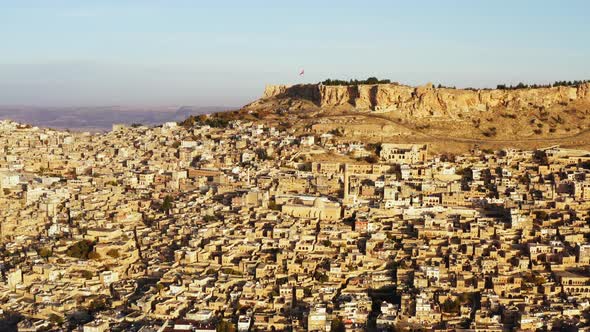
(449, 119)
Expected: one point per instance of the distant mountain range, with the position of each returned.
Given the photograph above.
(99, 118)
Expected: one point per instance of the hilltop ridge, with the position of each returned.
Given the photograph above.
(448, 119)
(426, 100)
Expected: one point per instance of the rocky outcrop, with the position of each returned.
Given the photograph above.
(427, 100)
(274, 90)
(584, 92)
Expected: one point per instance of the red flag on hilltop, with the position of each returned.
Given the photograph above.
(302, 72)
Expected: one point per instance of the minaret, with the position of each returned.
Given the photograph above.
(345, 182)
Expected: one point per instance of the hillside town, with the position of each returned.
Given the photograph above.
(237, 226)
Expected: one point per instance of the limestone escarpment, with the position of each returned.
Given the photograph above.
(445, 117)
(428, 100)
(274, 90)
(303, 91)
(583, 92)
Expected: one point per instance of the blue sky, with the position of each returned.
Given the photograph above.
(166, 53)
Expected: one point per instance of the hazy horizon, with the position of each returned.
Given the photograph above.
(174, 53)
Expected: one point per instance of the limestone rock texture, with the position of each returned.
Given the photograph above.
(427, 100)
(274, 90)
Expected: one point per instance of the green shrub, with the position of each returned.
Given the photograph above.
(114, 253)
(370, 80)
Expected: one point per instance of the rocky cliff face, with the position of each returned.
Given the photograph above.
(274, 90)
(303, 91)
(427, 100)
